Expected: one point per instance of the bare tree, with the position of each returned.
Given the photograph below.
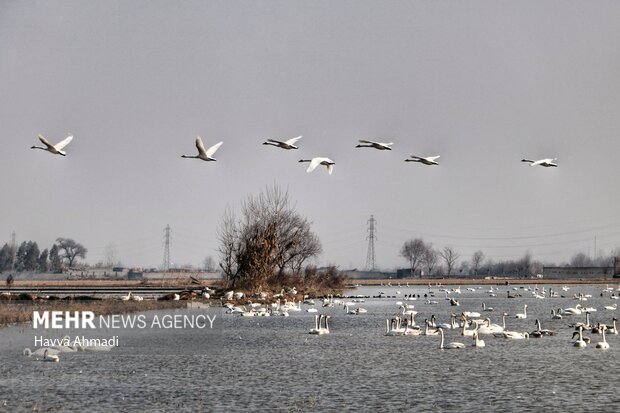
(269, 236)
(413, 251)
(476, 261)
(70, 250)
(110, 254)
(209, 264)
(580, 260)
(430, 258)
(228, 236)
(450, 256)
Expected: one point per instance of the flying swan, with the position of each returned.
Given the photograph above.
(289, 144)
(382, 146)
(205, 155)
(547, 162)
(314, 162)
(429, 160)
(55, 149)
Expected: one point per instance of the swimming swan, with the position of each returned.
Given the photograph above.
(523, 314)
(205, 155)
(50, 357)
(451, 345)
(581, 343)
(603, 344)
(477, 342)
(55, 149)
(320, 325)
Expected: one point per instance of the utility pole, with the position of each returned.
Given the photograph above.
(166, 264)
(370, 255)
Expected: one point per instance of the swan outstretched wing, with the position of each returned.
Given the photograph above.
(45, 142)
(365, 141)
(275, 141)
(433, 158)
(200, 146)
(213, 148)
(63, 143)
(292, 140)
(313, 164)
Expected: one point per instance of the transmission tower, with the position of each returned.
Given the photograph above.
(166, 264)
(370, 256)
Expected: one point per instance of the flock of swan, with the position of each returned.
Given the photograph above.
(52, 353)
(206, 154)
(469, 324)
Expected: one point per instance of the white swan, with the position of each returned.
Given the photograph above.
(547, 162)
(50, 357)
(514, 335)
(64, 346)
(580, 342)
(428, 332)
(40, 351)
(314, 162)
(556, 315)
(485, 308)
(611, 307)
(451, 345)
(393, 327)
(613, 329)
(429, 160)
(573, 311)
(434, 323)
(288, 144)
(466, 332)
(603, 344)
(382, 146)
(205, 155)
(488, 328)
(55, 149)
(320, 325)
(523, 314)
(315, 330)
(471, 314)
(477, 342)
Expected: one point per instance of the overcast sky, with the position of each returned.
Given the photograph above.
(481, 83)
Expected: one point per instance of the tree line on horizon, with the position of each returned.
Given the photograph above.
(426, 260)
(28, 258)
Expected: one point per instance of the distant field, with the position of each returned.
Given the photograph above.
(186, 283)
(168, 282)
(478, 281)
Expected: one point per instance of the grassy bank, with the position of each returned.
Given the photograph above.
(12, 312)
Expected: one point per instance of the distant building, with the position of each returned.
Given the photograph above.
(369, 275)
(135, 273)
(578, 272)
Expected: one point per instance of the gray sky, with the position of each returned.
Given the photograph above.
(481, 83)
